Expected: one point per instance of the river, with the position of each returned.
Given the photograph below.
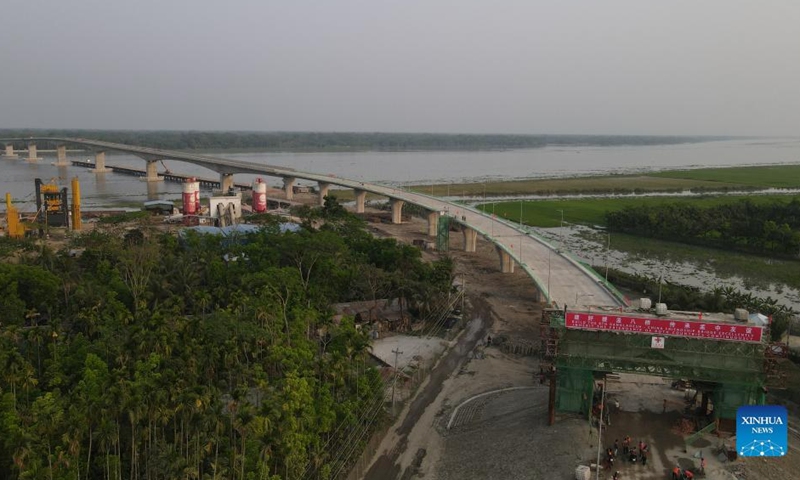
(405, 168)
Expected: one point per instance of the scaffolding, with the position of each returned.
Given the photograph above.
(443, 233)
(739, 370)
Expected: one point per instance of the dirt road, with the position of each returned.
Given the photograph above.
(386, 466)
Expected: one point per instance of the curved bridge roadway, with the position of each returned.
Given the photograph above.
(558, 277)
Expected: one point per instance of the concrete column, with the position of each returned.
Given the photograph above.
(506, 262)
(288, 187)
(151, 174)
(32, 153)
(10, 152)
(100, 163)
(361, 198)
(470, 238)
(397, 211)
(433, 223)
(323, 188)
(225, 182)
(61, 156)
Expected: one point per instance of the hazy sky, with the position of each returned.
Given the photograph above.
(528, 66)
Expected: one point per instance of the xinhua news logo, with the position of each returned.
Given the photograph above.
(761, 431)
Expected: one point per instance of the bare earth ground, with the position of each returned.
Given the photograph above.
(504, 435)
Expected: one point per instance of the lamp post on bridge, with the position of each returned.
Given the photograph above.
(549, 253)
(561, 231)
(608, 247)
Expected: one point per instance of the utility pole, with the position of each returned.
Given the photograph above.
(493, 219)
(463, 293)
(608, 247)
(396, 352)
(600, 428)
(549, 253)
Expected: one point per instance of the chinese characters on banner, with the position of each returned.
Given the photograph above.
(664, 326)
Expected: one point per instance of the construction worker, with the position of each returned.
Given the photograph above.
(616, 447)
(677, 473)
(626, 445)
(703, 465)
(665, 406)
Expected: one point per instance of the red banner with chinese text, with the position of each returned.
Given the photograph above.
(664, 326)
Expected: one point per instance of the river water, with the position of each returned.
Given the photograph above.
(404, 168)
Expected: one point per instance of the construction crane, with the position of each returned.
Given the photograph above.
(166, 170)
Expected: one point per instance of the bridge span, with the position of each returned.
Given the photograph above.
(558, 277)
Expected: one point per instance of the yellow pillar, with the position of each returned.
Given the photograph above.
(76, 204)
(15, 229)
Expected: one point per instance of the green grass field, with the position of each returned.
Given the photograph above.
(778, 176)
(553, 186)
(591, 211)
(707, 179)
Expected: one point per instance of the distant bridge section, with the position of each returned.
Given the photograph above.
(559, 278)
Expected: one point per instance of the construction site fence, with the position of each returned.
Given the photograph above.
(523, 348)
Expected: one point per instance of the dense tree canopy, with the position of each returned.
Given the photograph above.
(769, 228)
(151, 356)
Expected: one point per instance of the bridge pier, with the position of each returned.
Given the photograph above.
(100, 163)
(506, 261)
(288, 187)
(397, 211)
(152, 172)
(225, 182)
(433, 223)
(10, 152)
(470, 238)
(323, 188)
(61, 156)
(361, 198)
(32, 153)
